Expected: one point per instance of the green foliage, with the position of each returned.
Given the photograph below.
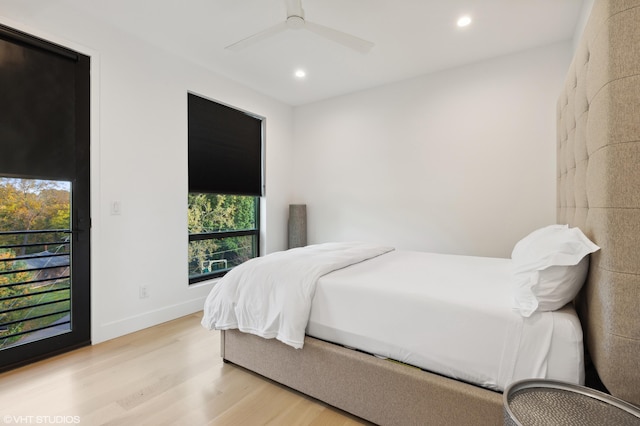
(216, 213)
(27, 204)
(30, 205)
(5, 292)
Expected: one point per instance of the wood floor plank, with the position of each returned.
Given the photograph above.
(170, 374)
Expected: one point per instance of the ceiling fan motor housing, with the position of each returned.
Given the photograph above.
(295, 22)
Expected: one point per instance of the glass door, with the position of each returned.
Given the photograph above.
(44, 199)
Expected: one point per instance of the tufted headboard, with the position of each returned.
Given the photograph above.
(599, 186)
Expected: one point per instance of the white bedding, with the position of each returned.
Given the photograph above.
(448, 314)
(271, 296)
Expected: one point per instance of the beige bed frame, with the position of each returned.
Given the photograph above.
(598, 191)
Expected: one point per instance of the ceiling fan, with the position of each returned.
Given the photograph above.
(295, 20)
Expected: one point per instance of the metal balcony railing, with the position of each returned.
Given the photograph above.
(35, 285)
(230, 248)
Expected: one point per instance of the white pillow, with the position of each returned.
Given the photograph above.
(550, 266)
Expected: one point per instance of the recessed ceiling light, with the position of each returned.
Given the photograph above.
(463, 21)
(300, 73)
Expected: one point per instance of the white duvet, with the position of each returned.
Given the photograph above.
(448, 314)
(271, 296)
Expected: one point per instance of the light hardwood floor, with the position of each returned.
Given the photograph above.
(165, 375)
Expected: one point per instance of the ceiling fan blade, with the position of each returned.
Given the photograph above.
(246, 42)
(345, 39)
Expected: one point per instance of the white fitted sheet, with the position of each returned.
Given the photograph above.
(448, 314)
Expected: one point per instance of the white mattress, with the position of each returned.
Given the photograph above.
(447, 314)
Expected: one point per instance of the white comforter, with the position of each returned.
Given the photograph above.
(271, 296)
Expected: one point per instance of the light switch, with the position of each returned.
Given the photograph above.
(116, 208)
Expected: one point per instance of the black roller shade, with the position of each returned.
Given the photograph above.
(37, 109)
(225, 149)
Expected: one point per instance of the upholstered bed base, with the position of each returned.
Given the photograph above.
(374, 389)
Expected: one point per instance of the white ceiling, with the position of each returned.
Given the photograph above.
(412, 37)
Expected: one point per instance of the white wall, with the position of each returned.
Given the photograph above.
(461, 161)
(139, 157)
(587, 6)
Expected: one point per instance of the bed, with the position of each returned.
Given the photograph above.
(598, 180)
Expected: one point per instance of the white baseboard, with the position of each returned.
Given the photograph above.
(111, 330)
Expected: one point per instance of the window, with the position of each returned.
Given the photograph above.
(223, 233)
(225, 185)
(35, 248)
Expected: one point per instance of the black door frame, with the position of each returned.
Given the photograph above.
(80, 334)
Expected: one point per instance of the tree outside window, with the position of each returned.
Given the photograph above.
(223, 233)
